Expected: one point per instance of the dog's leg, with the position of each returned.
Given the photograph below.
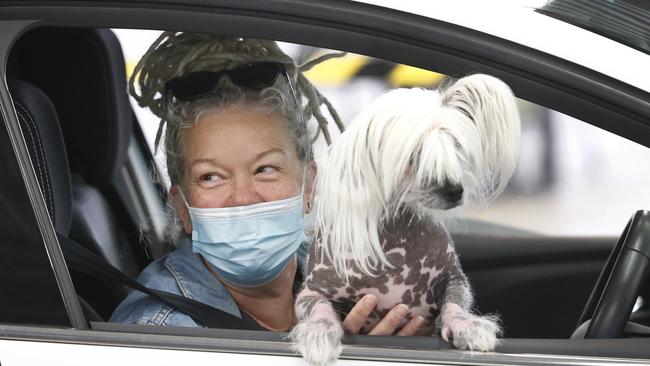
(469, 331)
(318, 332)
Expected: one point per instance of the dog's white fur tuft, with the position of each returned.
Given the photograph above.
(480, 334)
(319, 343)
(405, 143)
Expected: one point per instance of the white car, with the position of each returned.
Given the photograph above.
(76, 165)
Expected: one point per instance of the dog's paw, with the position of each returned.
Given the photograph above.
(473, 333)
(318, 341)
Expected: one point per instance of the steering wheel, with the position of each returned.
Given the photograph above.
(612, 299)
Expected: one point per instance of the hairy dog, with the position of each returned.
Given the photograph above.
(389, 183)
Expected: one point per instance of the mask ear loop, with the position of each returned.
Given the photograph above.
(302, 189)
(180, 191)
(313, 190)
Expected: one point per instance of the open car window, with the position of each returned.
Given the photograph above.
(545, 238)
(554, 201)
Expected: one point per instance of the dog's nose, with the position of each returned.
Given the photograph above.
(452, 192)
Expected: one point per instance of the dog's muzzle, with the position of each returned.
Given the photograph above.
(452, 194)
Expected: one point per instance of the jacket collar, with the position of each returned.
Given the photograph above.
(196, 281)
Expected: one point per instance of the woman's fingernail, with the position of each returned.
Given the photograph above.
(370, 301)
(402, 310)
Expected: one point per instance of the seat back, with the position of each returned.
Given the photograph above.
(40, 127)
(82, 71)
(42, 133)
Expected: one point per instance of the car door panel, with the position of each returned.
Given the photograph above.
(538, 285)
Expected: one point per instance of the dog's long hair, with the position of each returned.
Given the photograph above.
(393, 156)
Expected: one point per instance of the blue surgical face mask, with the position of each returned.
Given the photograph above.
(249, 246)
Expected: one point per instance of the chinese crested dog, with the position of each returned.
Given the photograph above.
(384, 194)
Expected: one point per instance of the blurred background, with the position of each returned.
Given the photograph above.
(573, 179)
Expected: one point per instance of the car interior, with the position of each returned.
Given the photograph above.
(93, 166)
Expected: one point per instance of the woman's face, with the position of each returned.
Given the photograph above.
(239, 157)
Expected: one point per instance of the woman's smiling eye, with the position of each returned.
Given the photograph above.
(266, 169)
(210, 177)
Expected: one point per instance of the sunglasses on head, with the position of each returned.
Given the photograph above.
(257, 76)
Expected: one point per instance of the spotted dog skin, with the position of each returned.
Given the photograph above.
(426, 276)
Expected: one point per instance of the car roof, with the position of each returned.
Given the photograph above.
(517, 21)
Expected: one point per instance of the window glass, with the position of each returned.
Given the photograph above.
(29, 292)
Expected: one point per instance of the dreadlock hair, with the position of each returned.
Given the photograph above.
(175, 54)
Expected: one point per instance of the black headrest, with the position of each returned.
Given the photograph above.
(83, 73)
(42, 134)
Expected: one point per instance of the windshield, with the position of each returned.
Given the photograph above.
(626, 22)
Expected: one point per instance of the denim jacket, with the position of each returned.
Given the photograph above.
(182, 272)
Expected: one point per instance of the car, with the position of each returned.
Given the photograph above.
(78, 166)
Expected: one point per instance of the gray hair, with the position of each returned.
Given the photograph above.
(174, 54)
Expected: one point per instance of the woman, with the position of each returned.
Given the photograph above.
(240, 163)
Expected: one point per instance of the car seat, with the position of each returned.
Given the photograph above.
(41, 131)
(82, 71)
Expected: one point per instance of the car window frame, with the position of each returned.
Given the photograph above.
(8, 34)
(217, 19)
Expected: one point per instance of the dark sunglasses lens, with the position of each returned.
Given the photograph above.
(255, 76)
(192, 85)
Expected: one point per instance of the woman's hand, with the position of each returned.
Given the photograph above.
(387, 326)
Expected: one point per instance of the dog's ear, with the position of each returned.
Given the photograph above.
(490, 104)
